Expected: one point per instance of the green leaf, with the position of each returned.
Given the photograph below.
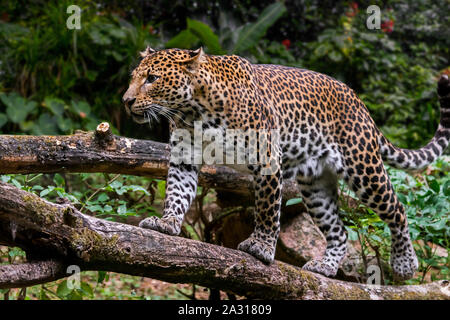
(117, 33)
(293, 201)
(75, 295)
(26, 126)
(64, 124)
(3, 119)
(55, 105)
(117, 56)
(184, 40)
(206, 35)
(86, 289)
(46, 191)
(446, 188)
(91, 75)
(375, 237)
(37, 188)
(251, 33)
(322, 50)
(434, 185)
(162, 188)
(122, 209)
(16, 252)
(16, 183)
(63, 291)
(95, 208)
(116, 185)
(135, 188)
(335, 56)
(59, 180)
(122, 190)
(102, 197)
(17, 108)
(101, 276)
(98, 37)
(352, 235)
(46, 125)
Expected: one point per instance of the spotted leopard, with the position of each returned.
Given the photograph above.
(325, 134)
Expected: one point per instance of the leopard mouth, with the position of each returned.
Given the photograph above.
(140, 119)
(146, 114)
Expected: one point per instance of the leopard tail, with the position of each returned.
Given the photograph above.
(421, 158)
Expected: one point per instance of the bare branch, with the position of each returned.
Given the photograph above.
(100, 151)
(32, 273)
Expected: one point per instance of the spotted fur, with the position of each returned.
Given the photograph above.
(326, 134)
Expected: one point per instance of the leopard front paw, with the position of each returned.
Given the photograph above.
(319, 266)
(259, 249)
(170, 225)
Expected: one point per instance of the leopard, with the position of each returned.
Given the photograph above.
(325, 135)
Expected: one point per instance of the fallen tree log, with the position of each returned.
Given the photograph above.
(60, 232)
(101, 151)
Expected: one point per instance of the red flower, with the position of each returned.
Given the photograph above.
(353, 10)
(286, 43)
(387, 26)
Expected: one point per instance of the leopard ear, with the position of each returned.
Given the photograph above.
(197, 57)
(147, 52)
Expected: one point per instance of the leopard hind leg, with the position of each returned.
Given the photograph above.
(374, 188)
(320, 195)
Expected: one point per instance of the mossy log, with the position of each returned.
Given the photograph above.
(59, 232)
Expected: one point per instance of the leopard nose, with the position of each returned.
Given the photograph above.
(129, 101)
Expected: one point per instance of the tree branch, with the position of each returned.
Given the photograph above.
(31, 273)
(100, 151)
(45, 230)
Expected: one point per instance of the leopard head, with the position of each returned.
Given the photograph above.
(163, 83)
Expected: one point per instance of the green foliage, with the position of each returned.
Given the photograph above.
(393, 71)
(196, 31)
(236, 41)
(251, 33)
(113, 198)
(396, 78)
(58, 79)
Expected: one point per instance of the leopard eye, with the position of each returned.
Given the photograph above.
(151, 78)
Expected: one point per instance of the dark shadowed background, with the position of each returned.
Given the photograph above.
(54, 80)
